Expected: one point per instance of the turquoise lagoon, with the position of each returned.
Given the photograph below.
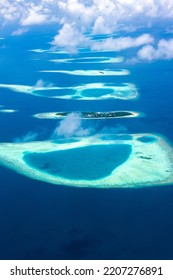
(86, 163)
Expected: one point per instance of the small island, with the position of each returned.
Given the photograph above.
(89, 115)
(100, 115)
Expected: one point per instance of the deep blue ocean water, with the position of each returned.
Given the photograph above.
(45, 221)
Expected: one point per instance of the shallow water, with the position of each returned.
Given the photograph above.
(147, 139)
(85, 163)
(55, 93)
(116, 137)
(96, 92)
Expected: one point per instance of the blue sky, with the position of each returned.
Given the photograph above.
(131, 21)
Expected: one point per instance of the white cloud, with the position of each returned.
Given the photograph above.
(42, 84)
(39, 83)
(9, 11)
(26, 13)
(30, 136)
(163, 50)
(77, 11)
(19, 31)
(71, 126)
(75, 17)
(146, 53)
(106, 16)
(87, 13)
(35, 15)
(100, 26)
(69, 37)
(122, 43)
(117, 129)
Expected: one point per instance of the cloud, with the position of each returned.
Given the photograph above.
(109, 16)
(19, 31)
(9, 11)
(76, 18)
(122, 43)
(100, 26)
(26, 13)
(163, 51)
(71, 126)
(132, 61)
(93, 16)
(39, 83)
(117, 129)
(30, 136)
(34, 17)
(42, 84)
(69, 38)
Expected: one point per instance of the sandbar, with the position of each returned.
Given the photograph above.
(120, 72)
(8, 111)
(89, 60)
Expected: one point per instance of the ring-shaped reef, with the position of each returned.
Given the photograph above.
(95, 162)
(89, 91)
(88, 60)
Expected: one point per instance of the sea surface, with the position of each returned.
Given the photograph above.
(45, 221)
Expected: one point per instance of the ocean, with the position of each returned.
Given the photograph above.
(45, 221)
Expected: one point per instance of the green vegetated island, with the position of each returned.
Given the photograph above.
(100, 115)
(88, 115)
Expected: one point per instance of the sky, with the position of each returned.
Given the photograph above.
(130, 24)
